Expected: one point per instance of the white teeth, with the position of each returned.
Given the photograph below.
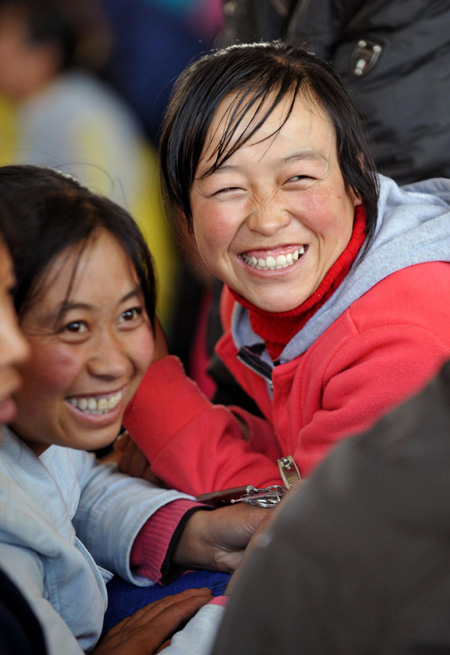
(91, 405)
(103, 404)
(270, 263)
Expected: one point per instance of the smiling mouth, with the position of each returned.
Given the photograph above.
(272, 262)
(97, 405)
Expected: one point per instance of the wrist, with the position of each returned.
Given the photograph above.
(191, 548)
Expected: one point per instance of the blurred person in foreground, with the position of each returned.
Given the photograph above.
(358, 559)
(19, 628)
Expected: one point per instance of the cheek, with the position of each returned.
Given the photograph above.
(51, 369)
(329, 216)
(214, 232)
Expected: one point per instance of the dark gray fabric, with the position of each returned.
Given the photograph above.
(20, 632)
(358, 560)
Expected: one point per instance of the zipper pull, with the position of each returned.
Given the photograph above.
(288, 470)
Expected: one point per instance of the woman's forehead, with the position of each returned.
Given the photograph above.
(80, 267)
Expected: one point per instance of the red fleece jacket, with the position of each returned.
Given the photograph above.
(382, 349)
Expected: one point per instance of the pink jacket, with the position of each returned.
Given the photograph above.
(383, 348)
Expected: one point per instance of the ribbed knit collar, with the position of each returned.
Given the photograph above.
(278, 328)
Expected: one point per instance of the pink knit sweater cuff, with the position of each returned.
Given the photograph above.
(219, 600)
(150, 546)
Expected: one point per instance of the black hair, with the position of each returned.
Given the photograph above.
(8, 232)
(54, 212)
(258, 72)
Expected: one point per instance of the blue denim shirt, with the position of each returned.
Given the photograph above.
(67, 523)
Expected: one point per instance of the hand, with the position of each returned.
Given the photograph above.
(260, 535)
(217, 539)
(131, 460)
(145, 631)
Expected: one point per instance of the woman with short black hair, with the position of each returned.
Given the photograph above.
(334, 278)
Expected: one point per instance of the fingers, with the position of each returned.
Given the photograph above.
(149, 627)
(121, 442)
(184, 602)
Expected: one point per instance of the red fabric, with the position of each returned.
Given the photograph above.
(382, 349)
(150, 546)
(277, 329)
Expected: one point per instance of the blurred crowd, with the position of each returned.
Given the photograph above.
(83, 87)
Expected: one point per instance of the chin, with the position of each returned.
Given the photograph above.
(278, 307)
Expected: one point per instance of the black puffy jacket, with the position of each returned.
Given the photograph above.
(392, 55)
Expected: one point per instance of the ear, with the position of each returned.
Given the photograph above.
(355, 198)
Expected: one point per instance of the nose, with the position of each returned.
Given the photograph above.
(267, 217)
(109, 359)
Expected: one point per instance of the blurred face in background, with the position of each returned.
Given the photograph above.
(13, 347)
(25, 67)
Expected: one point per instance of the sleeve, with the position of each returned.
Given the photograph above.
(151, 555)
(27, 572)
(112, 510)
(371, 373)
(197, 637)
(192, 444)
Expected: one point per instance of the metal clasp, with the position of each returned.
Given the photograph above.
(288, 470)
(268, 497)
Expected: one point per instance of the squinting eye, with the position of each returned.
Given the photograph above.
(131, 314)
(228, 189)
(298, 178)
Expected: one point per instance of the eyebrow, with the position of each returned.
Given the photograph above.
(311, 155)
(68, 305)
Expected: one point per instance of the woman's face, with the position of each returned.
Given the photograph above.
(13, 347)
(90, 349)
(275, 216)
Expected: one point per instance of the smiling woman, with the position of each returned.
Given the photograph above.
(85, 297)
(90, 348)
(334, 277)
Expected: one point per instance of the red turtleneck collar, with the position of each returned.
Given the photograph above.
(278, 328)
